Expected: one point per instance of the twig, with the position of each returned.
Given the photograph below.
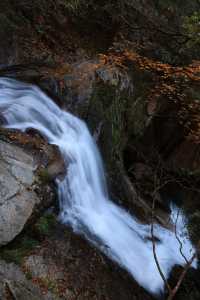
(182, 276)
(179, 241)
(154, 249)
(172, 292)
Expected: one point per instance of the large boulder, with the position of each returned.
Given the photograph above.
(23, 187)
(17, 198)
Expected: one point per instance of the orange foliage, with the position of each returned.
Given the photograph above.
(169, 81)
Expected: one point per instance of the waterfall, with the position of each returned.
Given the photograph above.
(83, 197)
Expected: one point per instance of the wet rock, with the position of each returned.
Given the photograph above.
(43, 267)
(68, 265)
(14, 285)
(56, 166)
(190, 287)
(22, 192)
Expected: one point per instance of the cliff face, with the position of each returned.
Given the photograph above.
(131, 70)
(164, 30)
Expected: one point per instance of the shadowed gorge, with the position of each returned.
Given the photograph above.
(83, 198)
(99, 150)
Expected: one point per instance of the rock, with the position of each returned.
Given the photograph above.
(17, 199)
(23, 193)
(72, 268)
(41, 267)
(186, 156)
(118, 99)
(14, 285)
(190, 287)
(56, 166)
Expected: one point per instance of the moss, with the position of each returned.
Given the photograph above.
(175, 5)
(194, 227)
(191, 25)
(51, 285)
(108, 105)
(45, 225)
(18, 249)
(28, 275)
(44, 176)
(72, 5)
(22, 245)
(188, 174)
(138, 117)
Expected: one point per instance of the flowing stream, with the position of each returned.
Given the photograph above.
(83, 197)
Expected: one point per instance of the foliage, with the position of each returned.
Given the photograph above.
(103, 13)
(194, 226)
(45, 224)
(192, 28)
(71, 5)
(46, 285)
(18, 249)
(177, 84)
(44, 176)
(26, 242)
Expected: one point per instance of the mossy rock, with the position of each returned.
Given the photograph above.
(18, 249)
(108, 106)
(194, 227)
(45, 225)
(28, 240)
(44, 176)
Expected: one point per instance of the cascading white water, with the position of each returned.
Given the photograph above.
(84, 201)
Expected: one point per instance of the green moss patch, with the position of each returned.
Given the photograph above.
(44, 176)
(45, 225)
(18, 249)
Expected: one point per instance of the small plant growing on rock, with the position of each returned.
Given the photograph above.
(44, 176)
(192, 28)
(45, 224)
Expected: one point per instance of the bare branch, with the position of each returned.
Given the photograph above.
(178, 239)
(172, 291)
(154, 249)
(182, 276)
